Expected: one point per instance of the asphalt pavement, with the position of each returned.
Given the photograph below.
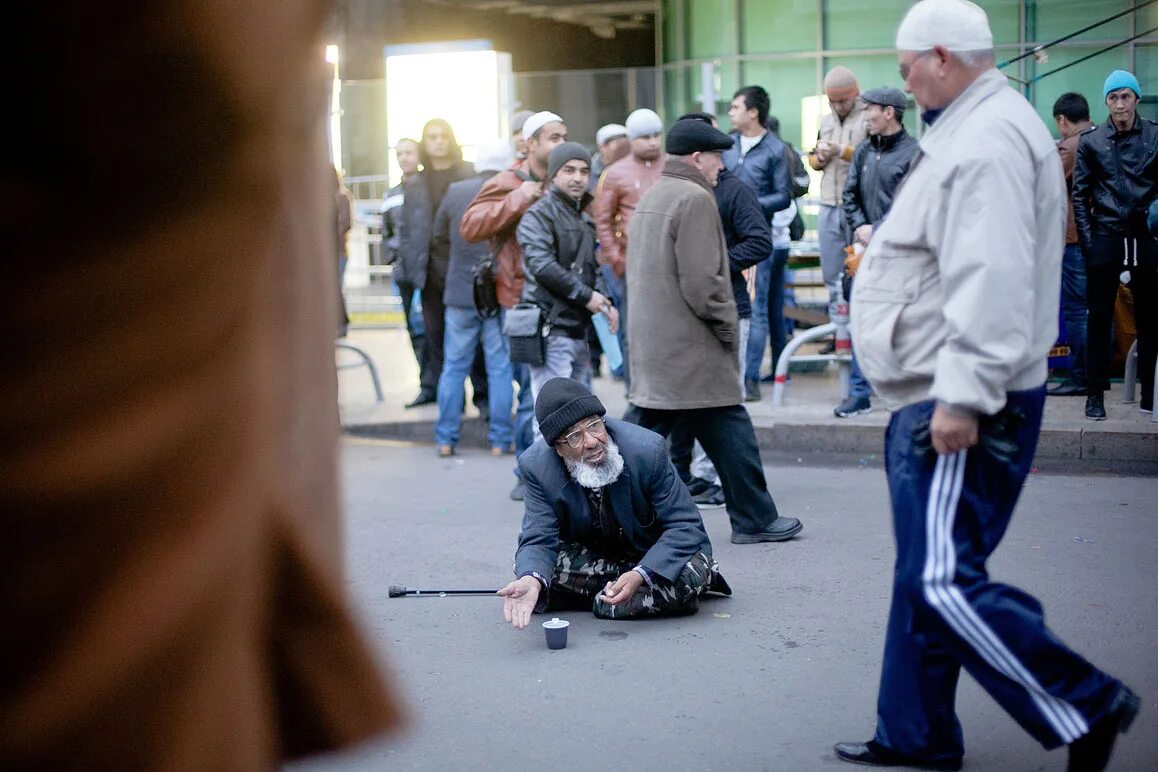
(766, 680)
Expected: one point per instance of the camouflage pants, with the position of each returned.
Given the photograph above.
(581, 575)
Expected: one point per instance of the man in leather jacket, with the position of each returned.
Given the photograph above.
(758, 159)
(878, 165)
(1115, 181)
(562, 278)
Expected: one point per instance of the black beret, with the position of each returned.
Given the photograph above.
(694, 136)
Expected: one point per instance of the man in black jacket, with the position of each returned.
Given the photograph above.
(1115, 182)
(442, 164)
(562, 278)
(758, 159)
(464, 326)
(608, 525)
(878, 165)
(749, 241)
(406, 153)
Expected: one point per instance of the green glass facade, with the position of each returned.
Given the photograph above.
(787, 46)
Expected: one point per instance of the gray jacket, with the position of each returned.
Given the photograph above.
(464, 255)
(660, 522)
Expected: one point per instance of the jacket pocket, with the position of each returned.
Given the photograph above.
(884, 288)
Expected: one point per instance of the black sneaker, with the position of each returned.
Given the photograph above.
(518, 491)
(1066, 388)
(780, 529)
(852, 406)
(751, 390)
(712, 498)
(698, 485)
(1095, 407)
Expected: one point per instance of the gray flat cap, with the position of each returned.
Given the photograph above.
(885, 97)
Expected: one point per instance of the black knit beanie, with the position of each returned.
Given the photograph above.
(562, 402)
(568, 151)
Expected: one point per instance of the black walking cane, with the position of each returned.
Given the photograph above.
(397, 591)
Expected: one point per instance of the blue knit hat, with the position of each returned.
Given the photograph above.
(1121, 79)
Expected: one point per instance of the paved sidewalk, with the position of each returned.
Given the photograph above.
(1126, 443)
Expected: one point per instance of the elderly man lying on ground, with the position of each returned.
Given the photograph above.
(608, 523)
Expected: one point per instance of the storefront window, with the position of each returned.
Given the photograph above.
(1052, 19)
(711, 28)
(788, 82)
(785, 25)
(1085, 78)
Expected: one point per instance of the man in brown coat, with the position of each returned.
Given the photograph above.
(685, 328)
(171, 578)
(619, 190)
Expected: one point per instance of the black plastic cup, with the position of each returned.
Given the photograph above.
(556, 630)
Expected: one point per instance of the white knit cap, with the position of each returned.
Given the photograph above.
(643, 123)
(608, 132)
(958, 25)
(494, 157)
(538, 121)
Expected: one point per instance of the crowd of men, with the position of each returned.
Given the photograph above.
(954, 310)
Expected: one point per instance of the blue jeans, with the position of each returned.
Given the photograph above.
(566, 358)
(1074, 309)
(463, 327)
(767, 314)
(524, 411)
(858, 385)
(617, 289)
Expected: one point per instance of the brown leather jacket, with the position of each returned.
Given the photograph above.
(619, 190)
(1068, 149)
(494, 215)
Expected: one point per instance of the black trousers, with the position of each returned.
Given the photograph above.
(728, 438)
(1101, 293)
(434, 318)
(417, 340)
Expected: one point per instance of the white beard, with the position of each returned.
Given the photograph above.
(598, 475)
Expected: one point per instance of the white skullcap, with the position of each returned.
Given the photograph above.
(608, 132)
(538, 121)
(643, 123)
(958, 25)
(494, 157)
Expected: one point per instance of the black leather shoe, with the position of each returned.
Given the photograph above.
(424, 398)
(780, 529)
(1066, 388)
(1095, 407)
(873, 754)
(1091, 752)
(751, 390)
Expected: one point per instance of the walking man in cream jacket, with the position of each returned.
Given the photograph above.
(956, 307)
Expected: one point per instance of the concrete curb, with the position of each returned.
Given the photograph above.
(1074, 449)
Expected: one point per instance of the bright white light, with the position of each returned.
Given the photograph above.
(332, 54)
(469, 89)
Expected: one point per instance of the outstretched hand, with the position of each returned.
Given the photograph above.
(519, 599)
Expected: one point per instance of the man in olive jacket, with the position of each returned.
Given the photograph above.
(684, 365)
